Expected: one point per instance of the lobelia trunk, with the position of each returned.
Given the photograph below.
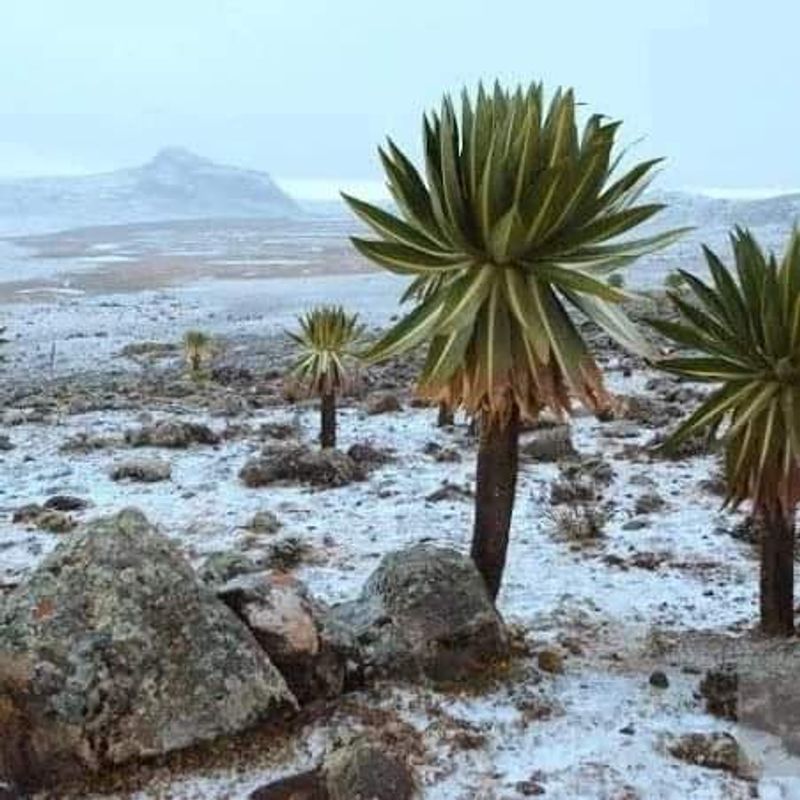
(327, 433)
(446, 416)
(777, 575)
(494, 497)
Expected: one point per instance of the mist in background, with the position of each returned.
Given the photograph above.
(306, 89)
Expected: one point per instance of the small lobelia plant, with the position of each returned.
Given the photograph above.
(515, 217)
(197, 347)
(327, 338)
(742, 333)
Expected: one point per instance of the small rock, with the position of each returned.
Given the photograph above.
(550, 445)
(5, 443)
(279, 430)
(529, 788)
(65, 502)
(365, 453)
(219, 568)
(648, 503)
(142, 470)
(264, 522)
(176, 434)
(228, 374)
(712, 750)
(305, 786)
(287, 554)
(444, 455)
(55, 522)
(659, 679)
(447, 455)
(634, 525)
(292, 462)
(550, 660)
(386, 403)
(86, 443)
(368, 772)
(27, 514)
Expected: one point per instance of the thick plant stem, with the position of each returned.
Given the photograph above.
(327, 432)
(777, 575)
(446, 417)
(494, 497)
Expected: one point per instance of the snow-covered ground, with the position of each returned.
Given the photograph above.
(70, 334)
(592, 732)
(562, 732)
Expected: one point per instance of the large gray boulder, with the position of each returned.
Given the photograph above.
(113, 650)
(425, 611)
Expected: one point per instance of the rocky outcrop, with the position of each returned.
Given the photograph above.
(113, 650)
(424, 612)
(385, 403)
(284, 618)
(44, 518)
(301, 464)
(175, 434)
(368, 454)
(712, 750)
(142, 470)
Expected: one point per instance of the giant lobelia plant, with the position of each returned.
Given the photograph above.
(516, 217)
(743, 333)
(326, 340)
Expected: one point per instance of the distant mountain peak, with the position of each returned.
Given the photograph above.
(175, 184)
(178, 156)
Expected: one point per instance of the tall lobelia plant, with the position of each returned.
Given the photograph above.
(327, 338)
(744, 333)
(518, 217)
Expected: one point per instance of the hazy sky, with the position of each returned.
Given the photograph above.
(307, 88)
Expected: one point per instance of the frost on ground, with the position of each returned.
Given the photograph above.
(661, 586)
(615, 607)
